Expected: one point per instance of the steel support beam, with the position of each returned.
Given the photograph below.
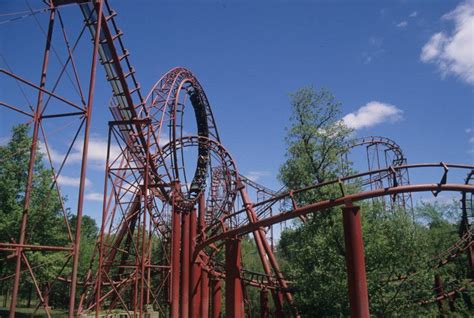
(85, 147)
(264, 310)
(329, 203)
(175, 262)
(204, 294)
(267, 258)
(185, 266)
(234, 301)
(31, 165)
(204, 284)
(216, 289)
(439, 291)
(355, 262)
(195, 273)
(278, 301)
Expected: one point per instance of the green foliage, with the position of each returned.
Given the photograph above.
(13, 174)
(395, 246)
(46, 222)
(316, 139)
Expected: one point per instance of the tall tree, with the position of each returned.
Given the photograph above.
(313, 251)
(395, 247)
(46, 224)
(316, 139)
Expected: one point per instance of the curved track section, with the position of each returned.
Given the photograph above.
(382, 152)
(387, 145)
(175, 204)
(167, 105)
(218, 233)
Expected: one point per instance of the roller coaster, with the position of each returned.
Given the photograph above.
(175, 206)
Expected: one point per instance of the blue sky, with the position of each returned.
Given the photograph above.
(403, 69)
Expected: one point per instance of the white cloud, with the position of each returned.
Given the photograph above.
(453, 53)
(372, 114)
(414, 14)
(256, 175)
(469, 132)
(97, 152)
(374, 49)
(402, 24)
(4, 140)
(55, 155)
(71, 181)
(441, 199)
(94, 196)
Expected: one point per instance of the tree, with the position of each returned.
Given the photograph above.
(316, 139)
(398, 251)
(313, 252)
(46, 223)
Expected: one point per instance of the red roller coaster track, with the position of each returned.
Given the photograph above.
(175, 206)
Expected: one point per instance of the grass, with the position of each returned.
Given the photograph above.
(23, 312)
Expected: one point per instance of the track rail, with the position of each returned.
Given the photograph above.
(216, 232)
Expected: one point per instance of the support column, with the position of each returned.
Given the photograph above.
(268, 259)
(216, 298)
(31, 164)
(185, 267)
(82, 184)
(195, 274)
(439, 290)
(204, 294)
(234, 303)
(355, 262)
(264, 310)
(175, 263)
(204, 285)
(278, 301)
(464, 228)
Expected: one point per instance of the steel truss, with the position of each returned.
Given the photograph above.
(175, 206)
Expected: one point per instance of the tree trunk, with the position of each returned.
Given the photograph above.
(46, 294)
(30, 291)
(5, 299)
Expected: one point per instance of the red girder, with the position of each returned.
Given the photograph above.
(150, 195)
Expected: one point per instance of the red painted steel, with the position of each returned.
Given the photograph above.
(185, 266)
(175, 263)
(216, 306)
(439, 291)
(205, 294)
(195, 272)
(355, 262)
(234, 300)
(325, 204)
(31, 164)
(85, 148)
(264, 310)
(148, 198)
(266, 255)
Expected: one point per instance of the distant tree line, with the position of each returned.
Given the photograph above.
(46, 226)
(398, 249)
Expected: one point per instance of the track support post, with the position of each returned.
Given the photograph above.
(264, 310)
(216, 310)
(185, 266)
(175, 261)
(355, 262)
(204, 293)
(195, 273)
(234, 300)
